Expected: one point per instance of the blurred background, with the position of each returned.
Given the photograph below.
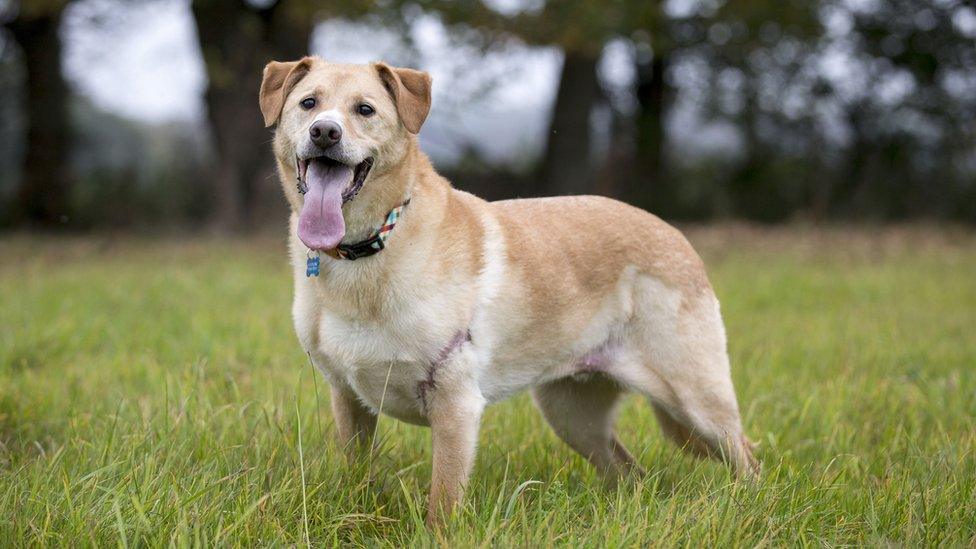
(143, 113)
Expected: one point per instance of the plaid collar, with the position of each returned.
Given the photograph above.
(364, 248)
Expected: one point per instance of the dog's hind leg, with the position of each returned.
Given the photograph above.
(705, 439)
(582, 413)
(684, 370)
(707, 424)
(681, 435)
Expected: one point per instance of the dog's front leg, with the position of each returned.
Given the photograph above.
(354, 421)
(454, 410)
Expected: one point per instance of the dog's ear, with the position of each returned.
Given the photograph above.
(279, 79)
(410, 90)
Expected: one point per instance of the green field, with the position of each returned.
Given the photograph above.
(152, 392)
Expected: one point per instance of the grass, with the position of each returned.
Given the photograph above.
(152, 393)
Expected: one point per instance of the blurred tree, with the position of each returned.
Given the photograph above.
(42, 196)
(237, 38)
(711, 31)
(566, 165)
(646, 169)
(637, 163)
(763, 47)
(824, 109)
(580, 28)
(919, 118)
(11, 121)
(852, 110)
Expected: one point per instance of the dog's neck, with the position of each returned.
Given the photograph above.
(355, 288)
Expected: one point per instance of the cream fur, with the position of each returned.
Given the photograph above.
(577, 299)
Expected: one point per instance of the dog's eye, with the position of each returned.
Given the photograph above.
(308, 103)
(365, 109)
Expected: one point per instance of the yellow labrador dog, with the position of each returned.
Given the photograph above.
(428, 303)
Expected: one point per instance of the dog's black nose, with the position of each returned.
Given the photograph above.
(325, 133)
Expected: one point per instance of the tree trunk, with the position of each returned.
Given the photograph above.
(617, 173)
(237, 40)
(837, 200)
(566, 166)
(653, 190)
(43, 195)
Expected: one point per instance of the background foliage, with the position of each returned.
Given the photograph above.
(760, 109)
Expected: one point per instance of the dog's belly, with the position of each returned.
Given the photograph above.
(387, 370)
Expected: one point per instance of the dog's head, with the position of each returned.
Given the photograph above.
(339, 128)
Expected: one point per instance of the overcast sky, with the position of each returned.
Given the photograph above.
(139, 59)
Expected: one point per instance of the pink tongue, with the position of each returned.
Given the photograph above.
(320, 225)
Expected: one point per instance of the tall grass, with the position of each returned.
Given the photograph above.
(152, 392)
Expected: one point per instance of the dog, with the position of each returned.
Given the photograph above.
(427, 303)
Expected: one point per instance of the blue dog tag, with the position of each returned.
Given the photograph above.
(312, 266)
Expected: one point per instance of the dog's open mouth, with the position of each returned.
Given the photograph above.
(352, 189)
(327, 184)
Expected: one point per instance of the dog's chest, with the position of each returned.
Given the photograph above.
(385, 361)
